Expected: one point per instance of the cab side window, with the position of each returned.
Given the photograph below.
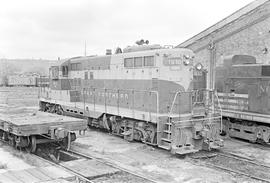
(137, 62)
(149, 61)
(128, 62)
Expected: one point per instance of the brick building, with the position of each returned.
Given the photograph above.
(247, 31)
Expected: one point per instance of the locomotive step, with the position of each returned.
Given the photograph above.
(166, 140)
(167, 131)
(185, 151)
(198, 115)
(165, 147)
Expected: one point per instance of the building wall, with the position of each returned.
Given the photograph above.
(249, 34)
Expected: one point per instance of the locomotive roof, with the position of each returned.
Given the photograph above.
(105, 58)
(231, 60)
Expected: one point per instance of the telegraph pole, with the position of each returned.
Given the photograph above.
(84, 48)
(212, 65)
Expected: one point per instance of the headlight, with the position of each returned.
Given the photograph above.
(186, 62)
(199, 66)
(186, 56)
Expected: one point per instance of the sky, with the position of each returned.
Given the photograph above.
(49, 29)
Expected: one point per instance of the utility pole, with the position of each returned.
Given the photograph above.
(212, 65)
(84, 48)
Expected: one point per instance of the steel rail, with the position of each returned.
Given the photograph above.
(239, 158)
(235, 156)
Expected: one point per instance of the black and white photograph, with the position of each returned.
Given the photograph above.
(135, 91)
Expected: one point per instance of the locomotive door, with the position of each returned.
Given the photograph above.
(199, 80)
(155, 84)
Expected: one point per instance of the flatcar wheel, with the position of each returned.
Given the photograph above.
(12, 141)
(64, 143)
(1, 134)
(32, 147)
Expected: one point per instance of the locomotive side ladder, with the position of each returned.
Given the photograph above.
(166, 135)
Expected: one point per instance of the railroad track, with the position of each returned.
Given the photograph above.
(121, 175)
(236, 164)
(122, 171)
(114, 174)
(79, 178)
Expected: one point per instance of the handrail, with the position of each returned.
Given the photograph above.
(214, 94)
(175, 96)
(200, 119)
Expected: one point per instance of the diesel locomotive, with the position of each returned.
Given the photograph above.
(146, 93)
(244, 94)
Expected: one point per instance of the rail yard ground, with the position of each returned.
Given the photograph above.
(17, 166)
(153, 163)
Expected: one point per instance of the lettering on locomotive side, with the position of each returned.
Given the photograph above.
(263, 89)
(109, 94)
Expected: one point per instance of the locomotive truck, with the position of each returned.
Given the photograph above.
(146, 93)
(244, 93)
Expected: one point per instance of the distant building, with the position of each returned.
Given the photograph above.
(26, 79)
(247, 31)
(2, 82)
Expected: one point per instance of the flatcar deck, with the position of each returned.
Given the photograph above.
(39, 123)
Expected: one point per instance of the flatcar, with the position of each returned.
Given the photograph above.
(146, 93)
(244, 94)
(24, 130)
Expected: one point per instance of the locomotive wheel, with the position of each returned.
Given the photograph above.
(1, 134)
(32, 147)
(64, 143)
(11, 141)
(5, 136)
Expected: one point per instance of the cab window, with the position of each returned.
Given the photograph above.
(128, 62)
(148, 61)
(138, 62)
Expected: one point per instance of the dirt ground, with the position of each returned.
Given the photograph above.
(18, 100)
(156, 163)
(12, 159)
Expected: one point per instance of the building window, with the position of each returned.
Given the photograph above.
(138, 62)
(128, 62)
(85, 75)
(91, 75)
(149, 61)
(76, 66)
